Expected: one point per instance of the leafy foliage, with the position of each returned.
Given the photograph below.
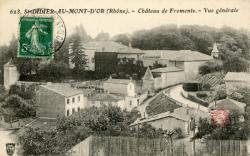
(78, 55)
(104, 121)
(210, 67)
(18, 107)
(53, 71)
(235, 64)
(128, 67)
(235, 129)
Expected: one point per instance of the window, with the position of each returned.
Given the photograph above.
(67, 101)
(73, 100)
(79, 98)
(78, 109)
(67, 112)
(73, 110)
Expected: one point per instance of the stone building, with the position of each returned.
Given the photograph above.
(103, 55)
(228, 104)
(127, 89)
(188, 60)
(177, 118)
(120, 86)
(11, 74)
(59, 99)
(162, 77)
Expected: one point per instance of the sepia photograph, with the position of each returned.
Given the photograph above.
(125, 78)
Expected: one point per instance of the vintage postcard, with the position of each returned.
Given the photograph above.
(125, 78)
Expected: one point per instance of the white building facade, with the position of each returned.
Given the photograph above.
(11, 74)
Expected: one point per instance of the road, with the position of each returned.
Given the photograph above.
(176, 93)
(6, 137)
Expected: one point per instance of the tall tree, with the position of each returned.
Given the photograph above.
(78, 56)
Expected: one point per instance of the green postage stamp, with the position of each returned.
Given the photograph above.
(36, 37)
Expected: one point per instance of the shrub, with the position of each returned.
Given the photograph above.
(192, 87)
(210, 67)
(206, 87)
(201, 95)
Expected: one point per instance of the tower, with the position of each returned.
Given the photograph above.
(148, 81)
(215, 52)
(11, 75)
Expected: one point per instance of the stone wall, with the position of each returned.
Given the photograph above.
(50, 104)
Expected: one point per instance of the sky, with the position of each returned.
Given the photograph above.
(119, 23)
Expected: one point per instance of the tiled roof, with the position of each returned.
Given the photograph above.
(118, 81)
(237, 76)
(181, 113)
(105, 97)
(229, 104)
(10, 63)
(63, 89)
(148, 75)
(167, 69)
(110, 46)
(130, 51)
(178, 55)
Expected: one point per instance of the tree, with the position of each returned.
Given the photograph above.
(220, 92)
(54, 71)
(210, 67)
(24, 92)
(235, 64)
(78, 56)
(17, 107)
(103, 121)
(62, 55)
(38, 142)
(129, 67)
(235, 129)
(156, 64)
